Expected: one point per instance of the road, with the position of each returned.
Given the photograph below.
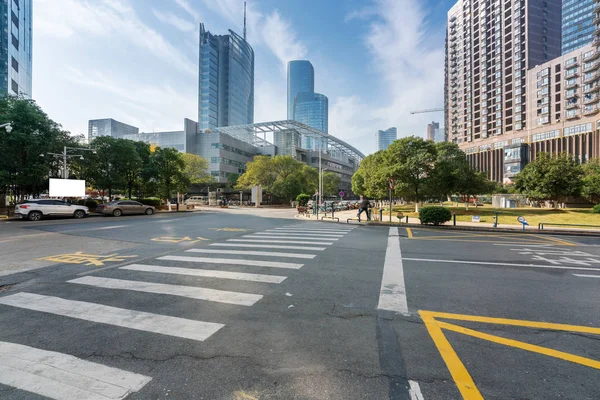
(255, 304)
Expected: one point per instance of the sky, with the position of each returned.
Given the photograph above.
(137, 60)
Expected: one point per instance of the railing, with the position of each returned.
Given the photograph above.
(541, 225)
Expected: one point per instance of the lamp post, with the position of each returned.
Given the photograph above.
(7, 127)
(64, 155)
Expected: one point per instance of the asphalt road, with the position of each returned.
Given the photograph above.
(255, 304)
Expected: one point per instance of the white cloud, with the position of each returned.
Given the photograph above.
(280, 37)
(172, 19)
(189, 9)
(105, 18)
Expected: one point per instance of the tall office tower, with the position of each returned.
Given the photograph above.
(109, 127)
(577, 24)
(226, 81)
(433, 130)
(15, 47)
(385, 138)
(300, 79)
(491, 45)
(312, 109)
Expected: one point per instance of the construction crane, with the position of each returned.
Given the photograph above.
(427, 111)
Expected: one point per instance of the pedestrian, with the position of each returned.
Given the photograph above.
(364, 205)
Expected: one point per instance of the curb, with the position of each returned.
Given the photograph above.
(476, 229)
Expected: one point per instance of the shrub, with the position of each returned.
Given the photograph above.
(596, 209)
(434, 215)
(89, 203)
(151, 202)
(302, 199)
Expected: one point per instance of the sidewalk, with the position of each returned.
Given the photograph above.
(483, 226)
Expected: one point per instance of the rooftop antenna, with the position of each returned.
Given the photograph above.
(244, 20)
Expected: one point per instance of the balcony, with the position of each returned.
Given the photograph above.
(590, 110)
(573, 116)
(593, 55)
(591, 89)
(572, 73)
(590, 78)
(591, 67)
(590, 98)
(571, 95)
(571, 85)
(569, 105)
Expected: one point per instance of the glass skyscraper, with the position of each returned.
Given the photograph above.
(226, 81)
(312, 109)
(110, 127)
(385, 138)
(300, 79)
(577, 24)
(15, 47)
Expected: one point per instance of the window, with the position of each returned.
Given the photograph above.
(15, 42)
(574, 130)
(15, 20)
(545, 135)
(15, 64)
(14, 86)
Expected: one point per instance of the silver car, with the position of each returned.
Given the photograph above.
(35, 209)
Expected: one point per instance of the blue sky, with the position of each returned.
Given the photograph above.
(136, 60)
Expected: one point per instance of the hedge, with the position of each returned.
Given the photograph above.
(89, 203)
(434, 215)
(596, 209)
(302, 199)
(151, 202)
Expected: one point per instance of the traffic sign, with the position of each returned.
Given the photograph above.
(342, 193)
(391, 183)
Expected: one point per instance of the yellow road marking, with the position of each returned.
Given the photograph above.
(89, 259)
(561, 241)
(588, 362)
(409, 233)
(483, 241)
(461, 376)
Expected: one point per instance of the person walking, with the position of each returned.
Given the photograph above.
(364, 205)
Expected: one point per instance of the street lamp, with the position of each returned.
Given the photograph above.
(7, 127)
(64, 155)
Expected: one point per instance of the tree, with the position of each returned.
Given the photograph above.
(547, 177)
(331, 183)
(130, 163)
(258, 173)
(195, 169)
(451, 171)
(591, 180)
(168, 166)
(112, 161)
(371, 177)
(410, 161)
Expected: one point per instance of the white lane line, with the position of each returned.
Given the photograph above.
(107, 227)
(192, 292)
(139, 320)
(415, 391)
(268, 246)
(392, 295)
(310, 230)
(206, 273)
(253, 253)
(317, 239)
(63, 377)
(432, 260)
(587, 276)
(278, 241)
(300, 233)
(233, 261)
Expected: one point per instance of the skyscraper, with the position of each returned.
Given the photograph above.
(491, 45)
(15, 47)
(300, 79)
(433, 131)
(385, 138)
(109, 127)
(577, 24)
(226, 81)
(312, 109)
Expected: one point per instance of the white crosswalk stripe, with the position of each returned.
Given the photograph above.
(278, 241)
(300, 233)
(206, 273)
(313, 238)
(311, 230)
(233, 261)
(268, 246)
(139, 320)
(64, 377)
(253, 253)
(193, 292)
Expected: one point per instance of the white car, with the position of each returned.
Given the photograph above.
(35, 209)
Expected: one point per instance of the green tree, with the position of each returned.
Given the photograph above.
(258, 173)
(168, 167)
(410, 161)
(591, 181)
(371, 177)
(331, 183)
(195, 169)
(547, 177)
(104, 168)
(450, 173)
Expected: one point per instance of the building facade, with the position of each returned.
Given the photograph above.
(385, 138)
(577, 24)
(226, 80)
(490, 47)
(109, 127)
(312, 109)
(16, 47)
(433, 131)
(300, 79)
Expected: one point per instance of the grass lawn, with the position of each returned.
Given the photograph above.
(509, 215)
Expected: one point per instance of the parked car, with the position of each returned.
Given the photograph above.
(118, 208)
(35, 209)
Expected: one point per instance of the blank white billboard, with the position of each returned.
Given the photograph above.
(67, 188)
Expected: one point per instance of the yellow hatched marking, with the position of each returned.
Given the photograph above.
(409, 233)
(86, 259)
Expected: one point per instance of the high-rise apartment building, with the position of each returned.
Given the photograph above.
(300, 79)
(226, 81)
(15, 47)
(577, 24)
(385, 138)
(491, 45)
(433, 131)
(109, 127)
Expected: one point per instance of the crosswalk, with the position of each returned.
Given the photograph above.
(248, 259)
